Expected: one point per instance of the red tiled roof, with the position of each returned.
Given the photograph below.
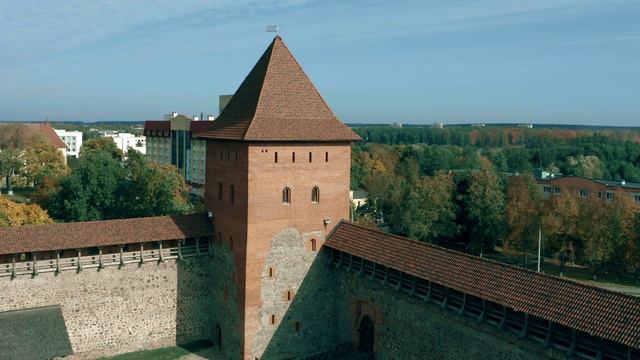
(28, 131)
(599, 312)
(157, 125)
(165, 125)
(51, 237)
(278, 102)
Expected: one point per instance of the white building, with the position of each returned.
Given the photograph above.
(126, 141)
(73, 139)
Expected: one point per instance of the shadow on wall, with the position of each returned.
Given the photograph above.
(313, 319)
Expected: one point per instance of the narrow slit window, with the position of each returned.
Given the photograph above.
(286, 196)
(315, 195)
(293, 157)
(276, 156)
(326, 157)
(273, 319)
(310, 156)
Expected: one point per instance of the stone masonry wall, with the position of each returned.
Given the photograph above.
(408, 328)
(225, 313)
(299, 314)
(117, 310)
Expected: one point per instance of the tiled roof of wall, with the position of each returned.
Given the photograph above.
(51, 237)
(599, 312)
(278, 102)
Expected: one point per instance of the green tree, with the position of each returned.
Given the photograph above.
(152, 189)
(90, 192)
(426, 211)
(101, 144)
(482, 210)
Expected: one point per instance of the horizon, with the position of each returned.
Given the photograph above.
(553, 62)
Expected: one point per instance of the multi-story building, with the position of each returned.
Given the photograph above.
(171, 142)
(73, 139)
(588, 188)
(126, 141)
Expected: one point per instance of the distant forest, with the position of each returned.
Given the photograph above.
(611, 154)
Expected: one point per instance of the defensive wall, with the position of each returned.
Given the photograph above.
(113, 298)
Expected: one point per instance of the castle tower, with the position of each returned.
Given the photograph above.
(278, 176)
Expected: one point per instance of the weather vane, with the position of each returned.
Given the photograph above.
(274, 28)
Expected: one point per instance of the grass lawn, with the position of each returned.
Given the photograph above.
(575, 272)
(19, 198)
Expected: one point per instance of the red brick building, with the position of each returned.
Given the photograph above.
(587, 188)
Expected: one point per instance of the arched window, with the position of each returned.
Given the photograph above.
(219, 191)
(315, 194)
(314, 246)
(232, 193)
(286, 196)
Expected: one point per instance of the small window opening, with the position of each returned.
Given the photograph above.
(286, 196)
(270, 272)
(289, 295)
(314, 246)
(276, 157)
(315, 194)
(273, 319)
(326, 157)
(293, 157)
(310, 156)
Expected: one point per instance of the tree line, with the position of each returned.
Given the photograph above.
(458, 198)
(607, 154)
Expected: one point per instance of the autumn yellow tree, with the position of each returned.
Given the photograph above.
(41, 160)
(17, 214)
(560, 222)
(523, 214)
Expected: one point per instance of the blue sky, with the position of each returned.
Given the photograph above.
(451, 61)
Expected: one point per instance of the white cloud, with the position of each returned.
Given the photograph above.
(38, 27)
